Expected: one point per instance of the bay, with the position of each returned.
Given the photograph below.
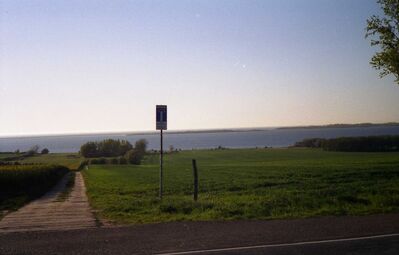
(272, 137)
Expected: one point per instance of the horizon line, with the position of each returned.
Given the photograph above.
(146, 132)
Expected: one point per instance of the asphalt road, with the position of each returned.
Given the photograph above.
(300, 236)
(381, 244)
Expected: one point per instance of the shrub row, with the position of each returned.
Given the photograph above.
(135, 159)
(114, 161)
(29, 181)
(17, 163)
(359, 144)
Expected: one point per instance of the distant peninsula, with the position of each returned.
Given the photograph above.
(357, 125)
(196, 131)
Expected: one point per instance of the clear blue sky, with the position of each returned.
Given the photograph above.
(91, 66)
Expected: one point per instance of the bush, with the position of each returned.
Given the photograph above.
(102, 161)
(45, 151)
(114, 161)
(122, 161)
(94, 161)
(98, 161)
(134, 157)
(83, 164)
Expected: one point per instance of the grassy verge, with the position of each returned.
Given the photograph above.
(20, 184)
(248, 184)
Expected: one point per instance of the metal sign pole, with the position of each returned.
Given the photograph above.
(161, 124)
(161, 169)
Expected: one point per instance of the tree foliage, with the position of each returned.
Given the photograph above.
(122, 149)
(134, 157)
(45, 151)
(32, 151)
(358, 144)
(106, 148)
(363, 144)
(384, 32)
(141, 146)
(310, 143)
(89, 150)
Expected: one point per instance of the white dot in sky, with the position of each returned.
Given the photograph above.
(244, 66)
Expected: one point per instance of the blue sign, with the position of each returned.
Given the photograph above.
(161, 117)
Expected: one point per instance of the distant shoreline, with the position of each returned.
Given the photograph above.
(143, 132)
(343, 125)
(226, 130)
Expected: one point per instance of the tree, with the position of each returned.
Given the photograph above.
(134, 157)
(89, 150)
(32, 151)
(105, 148)
(385, 33)
(45, 151)
(141, 146)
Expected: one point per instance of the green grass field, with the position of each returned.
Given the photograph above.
(70, 160)
(247, 184)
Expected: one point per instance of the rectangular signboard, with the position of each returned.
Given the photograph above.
(161, 117)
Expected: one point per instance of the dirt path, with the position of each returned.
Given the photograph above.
(51, 213)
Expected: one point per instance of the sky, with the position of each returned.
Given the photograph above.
(101, 66)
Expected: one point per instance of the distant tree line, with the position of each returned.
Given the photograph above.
(311, 143)
(121, 150)
(359, 144)
(33, 151)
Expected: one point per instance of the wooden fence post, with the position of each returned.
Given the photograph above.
(195, 173)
